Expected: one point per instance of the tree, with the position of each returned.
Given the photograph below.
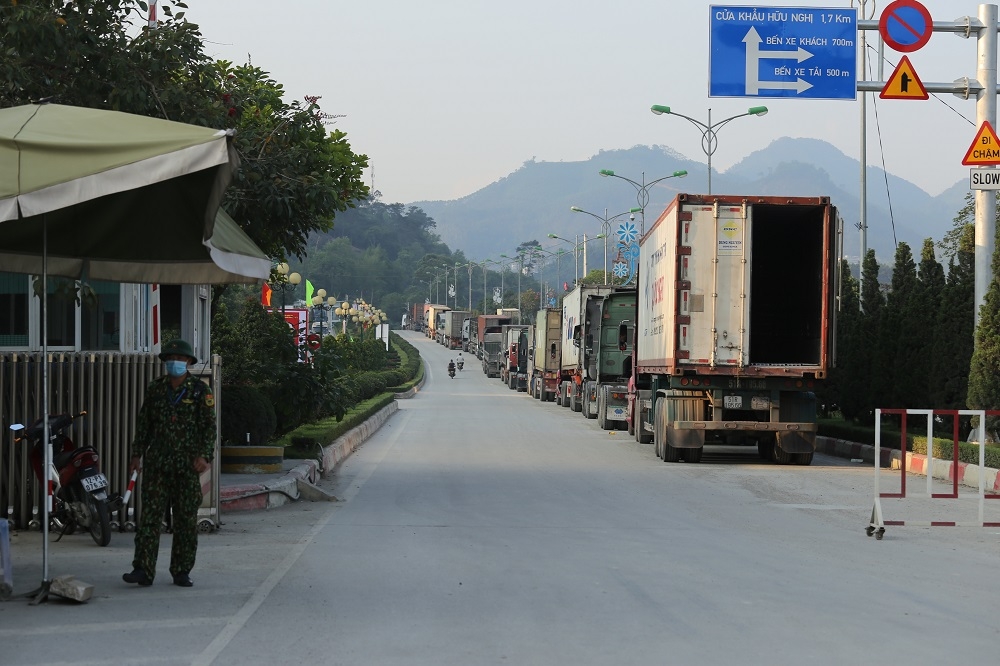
(891, 372)
(984, 373)
(951, 352)
(872, 304)
(838, 390)
(295, 176)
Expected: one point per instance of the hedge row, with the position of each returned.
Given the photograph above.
(968, 452)
(302, 442)
(410, 361)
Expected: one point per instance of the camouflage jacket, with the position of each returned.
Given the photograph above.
(176, 425)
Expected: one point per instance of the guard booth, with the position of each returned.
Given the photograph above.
(102, 355)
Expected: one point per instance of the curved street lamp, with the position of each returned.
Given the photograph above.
(709, 130)
(558, 254)
(483, 264)
(642, 190)
(577, 245)
(605, 228)
(520, 269)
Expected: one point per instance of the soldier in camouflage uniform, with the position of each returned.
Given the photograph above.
(175, 439)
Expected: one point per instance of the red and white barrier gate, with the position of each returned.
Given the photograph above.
(955, 472)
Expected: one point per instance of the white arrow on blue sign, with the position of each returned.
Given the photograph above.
(800, 52)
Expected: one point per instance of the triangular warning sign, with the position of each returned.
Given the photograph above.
(904, 83)
(985, 150)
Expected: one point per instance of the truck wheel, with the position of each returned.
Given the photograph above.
(802, 458)
(765, 450)
(692, 455)
(670, 454)
(602, 412)
(781, 456)
(574, 400)
(585, 402)
(642, 435)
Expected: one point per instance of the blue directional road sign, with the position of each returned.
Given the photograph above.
(800, 52)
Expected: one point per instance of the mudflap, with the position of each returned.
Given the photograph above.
(796, 441)
(685, 439)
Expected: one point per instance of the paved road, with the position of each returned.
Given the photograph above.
(480, 526)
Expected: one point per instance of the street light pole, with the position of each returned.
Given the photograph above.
(642, 190)
(606, 228)
(709, 130)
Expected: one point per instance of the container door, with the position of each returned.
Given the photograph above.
(718, 274)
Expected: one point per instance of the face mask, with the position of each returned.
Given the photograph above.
(176, 368)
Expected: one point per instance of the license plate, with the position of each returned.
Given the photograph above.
(616, 413)
(732, 402)
(758, 402)
(92, 483)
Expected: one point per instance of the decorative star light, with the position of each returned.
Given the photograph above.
(620, 270)
(627, 233)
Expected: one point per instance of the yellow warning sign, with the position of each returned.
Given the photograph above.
(904, 83)
(985, 150)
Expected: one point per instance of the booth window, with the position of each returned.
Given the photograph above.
(13, 310)
(100, 317)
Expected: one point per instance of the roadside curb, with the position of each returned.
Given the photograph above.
(275, 493)
(946, 470)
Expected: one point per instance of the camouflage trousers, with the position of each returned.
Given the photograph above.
(180, 492)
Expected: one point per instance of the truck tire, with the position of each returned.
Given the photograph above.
(585, 403)
(574, 400)
(692, 455)
(781, 456)
(765, 450)
(602, 412)
(802, 458)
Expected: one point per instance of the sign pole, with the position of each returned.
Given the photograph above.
(986, 111)
(863, 213)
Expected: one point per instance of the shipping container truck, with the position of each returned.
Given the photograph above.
(431, 312)
(489, 330)
(736, 324)
(545, 355)
(451, 332)
(470, 340)
(513, 313)
(525, 343)
(607, 356)
(511, 334)
(571, 369)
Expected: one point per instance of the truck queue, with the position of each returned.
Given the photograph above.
(724, 341)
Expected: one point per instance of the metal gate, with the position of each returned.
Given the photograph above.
(110, 388)
(955, 470)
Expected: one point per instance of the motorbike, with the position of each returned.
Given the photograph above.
(451, 371)
(79, 488)
(460, 364)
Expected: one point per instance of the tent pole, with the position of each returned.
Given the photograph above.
(42, 593)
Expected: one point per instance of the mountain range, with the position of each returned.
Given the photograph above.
(535, 200)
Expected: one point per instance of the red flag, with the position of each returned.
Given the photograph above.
(265, 295)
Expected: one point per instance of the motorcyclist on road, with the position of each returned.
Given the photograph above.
(461, 361)
(451, 368)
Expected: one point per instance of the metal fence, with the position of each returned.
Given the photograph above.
(110, 388)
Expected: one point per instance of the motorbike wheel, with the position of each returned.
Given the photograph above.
(100, 520)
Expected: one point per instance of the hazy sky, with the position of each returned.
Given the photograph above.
(447, 96)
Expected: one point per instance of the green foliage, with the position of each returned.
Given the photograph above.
(968, 452)
(295, 176)
(246, 409)
(302, 442)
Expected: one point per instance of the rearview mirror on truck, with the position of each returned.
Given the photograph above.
(623, 336)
